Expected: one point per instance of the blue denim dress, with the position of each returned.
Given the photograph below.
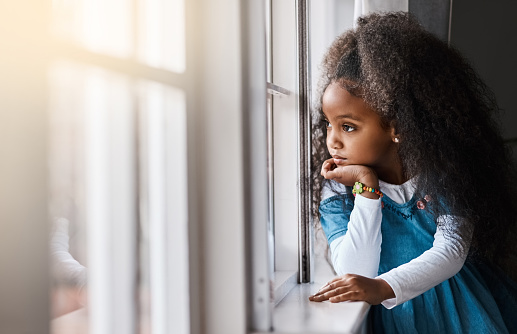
(478, 299)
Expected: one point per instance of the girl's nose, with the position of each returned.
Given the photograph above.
(334, 141)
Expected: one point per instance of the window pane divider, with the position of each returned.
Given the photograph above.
(128, 66)
(304, 146)
(277, 90)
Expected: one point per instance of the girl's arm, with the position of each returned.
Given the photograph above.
(65, 267)
(354, 235)
(442, 261)
(439, 263)
(355, 243)
(358, 251)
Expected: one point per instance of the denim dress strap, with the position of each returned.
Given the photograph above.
(335, 215)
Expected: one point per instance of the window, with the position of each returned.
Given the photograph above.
(283, 112)
(118, 164)
(287, 259)
(294, 256)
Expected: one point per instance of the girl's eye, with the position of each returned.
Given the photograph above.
(348, 128)
(327, 124)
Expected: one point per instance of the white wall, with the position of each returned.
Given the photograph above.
(215, 134)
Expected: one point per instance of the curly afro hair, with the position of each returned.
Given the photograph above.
(444, 113)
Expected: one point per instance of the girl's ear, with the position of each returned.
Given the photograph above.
(395, 137)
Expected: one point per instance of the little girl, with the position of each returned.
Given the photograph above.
(415, 200)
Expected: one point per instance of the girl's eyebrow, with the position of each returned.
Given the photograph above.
(350, 116)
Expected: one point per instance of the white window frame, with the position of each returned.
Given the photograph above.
(288, 196)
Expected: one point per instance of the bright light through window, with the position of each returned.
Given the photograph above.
(163, 227)
(152, 33)
(161, 28)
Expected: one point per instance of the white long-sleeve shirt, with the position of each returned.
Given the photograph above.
(358, 251)
(65, 267)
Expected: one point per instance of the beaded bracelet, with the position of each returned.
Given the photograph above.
(359, 188)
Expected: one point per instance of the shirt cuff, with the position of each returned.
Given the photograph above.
(392, 302)
(367, 202)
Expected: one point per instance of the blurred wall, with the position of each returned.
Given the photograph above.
(23, 170)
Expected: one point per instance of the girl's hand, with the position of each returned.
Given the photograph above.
(352, 287)
(349, 174)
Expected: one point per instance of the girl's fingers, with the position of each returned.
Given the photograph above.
(319, 298)
(335, 279)
(332, 281)
(330, 175)
(334, 287)
(327, 166)
(351, 287)
(327, 286)
(347, 296)
(323, 290)
(323, 169)
(329, 294)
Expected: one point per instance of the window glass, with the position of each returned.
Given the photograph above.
(163, 225)
(161, 34)
(95, 25)
(284, 135)
(93, 193)
(153, 33)
(117, 168)
(67, 204)
(118, 201)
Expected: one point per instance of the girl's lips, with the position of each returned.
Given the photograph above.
(339, 161)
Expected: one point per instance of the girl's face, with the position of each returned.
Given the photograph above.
(355, 135)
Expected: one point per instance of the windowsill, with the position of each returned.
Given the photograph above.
(293, 313)
(284, 282)
(296, 314)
